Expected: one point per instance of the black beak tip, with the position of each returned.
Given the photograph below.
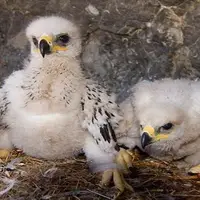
(44, 48)
(145, 140)
(43, 54)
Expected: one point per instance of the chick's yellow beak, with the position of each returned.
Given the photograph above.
(149, 135)
(47, 38)
(48, 46)
(149, 130)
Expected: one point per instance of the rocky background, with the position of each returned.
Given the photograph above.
(124, 40)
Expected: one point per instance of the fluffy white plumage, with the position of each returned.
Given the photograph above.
(43, 110)
(44, 105)
(169, 111)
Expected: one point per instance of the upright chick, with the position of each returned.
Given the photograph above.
(50, 110)
(41, 106)
(169, 115)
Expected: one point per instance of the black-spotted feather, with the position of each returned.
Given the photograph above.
(101, 117)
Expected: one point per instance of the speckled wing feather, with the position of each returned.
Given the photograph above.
(101, 116)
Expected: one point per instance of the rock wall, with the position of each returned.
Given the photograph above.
(124, 40)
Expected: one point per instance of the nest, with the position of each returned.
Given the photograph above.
(36, 179)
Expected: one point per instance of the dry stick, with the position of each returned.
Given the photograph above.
(71, 193)
(185, 195)
(101, 195)
(194, 177)
(144, 164)
(74, 193)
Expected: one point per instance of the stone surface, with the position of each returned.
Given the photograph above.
(124, 40)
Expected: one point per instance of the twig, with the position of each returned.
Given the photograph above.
(194, 177)
(76, 197)
(185, 195)
(147, 181)
(71, 193)
(101, 195)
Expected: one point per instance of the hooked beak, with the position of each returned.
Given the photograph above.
(147, 136)
(47, 45)
(44, 47)
(145, 139)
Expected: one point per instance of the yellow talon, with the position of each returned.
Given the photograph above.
(127, 159)
(118, 179)
(124, 159)
(120, 182)
(131, 153)
(4, 153)
(107, 177)
(127, 186)
(121, 161)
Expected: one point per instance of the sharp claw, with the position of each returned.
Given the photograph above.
(118, 181)
(127, 186)
(128, 159)
(131, 153)
(124, 159)
(107, 177)
(121, 162)
(4, 153)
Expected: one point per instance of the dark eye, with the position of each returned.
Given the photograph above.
(35, 41)
(167, 126)
(63, 38)
(141, 126)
